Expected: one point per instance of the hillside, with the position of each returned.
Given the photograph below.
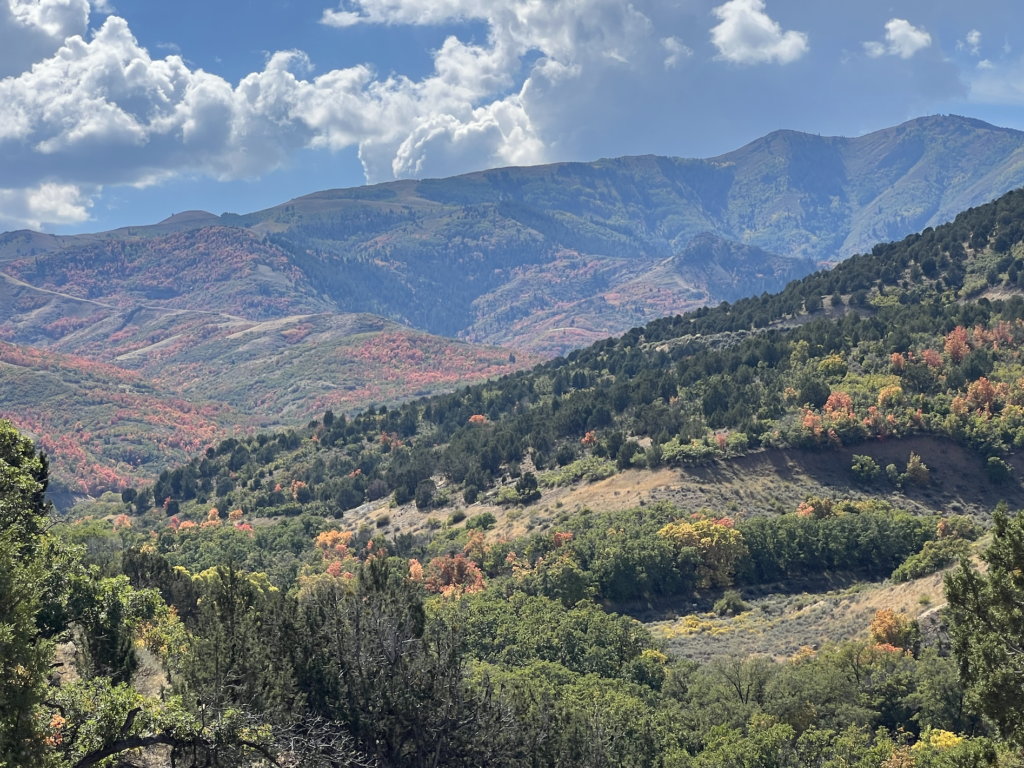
(741, 536)
(889, 354)
(553, 257)
(179, 380)
(267, 313)
(103, 427)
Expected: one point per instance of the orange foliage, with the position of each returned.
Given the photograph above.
(334, 543)
(982, 394)
(454, 575)
(475, 548)
(816, 506)
(889, 628)
(839, 404)
(812, 423)
(956, 344)
(899, 362)
(561, 538)
(477, 418)
(415, 570)
(932, 358)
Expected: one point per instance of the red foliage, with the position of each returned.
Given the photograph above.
(454, 575)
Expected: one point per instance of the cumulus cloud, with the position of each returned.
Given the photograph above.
(49, 203)
(902, 38)
(33, 29)
(99, 110)
(676, 51)
(747, 35)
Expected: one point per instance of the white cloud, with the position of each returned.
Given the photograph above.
(747, 35)
(986, 64)
(974, 41)
(676, 51)
(564, 30)
(49, 203)
(33, 29)
(874, 49)
(102, 111)
(903, 38)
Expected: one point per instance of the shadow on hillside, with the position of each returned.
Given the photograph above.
(667, 609)
(957, 475)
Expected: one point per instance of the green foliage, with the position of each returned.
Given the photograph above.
(934, 556)
(730, 604)
(986, 630)
(524, 491)
(484, 521)
(25, 559)
(865, 469)
(998, 471)
(589, 469)
(870, 541)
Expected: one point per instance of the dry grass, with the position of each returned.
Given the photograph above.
(761, 483)
(779, 624)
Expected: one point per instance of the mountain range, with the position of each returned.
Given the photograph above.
(342, 298)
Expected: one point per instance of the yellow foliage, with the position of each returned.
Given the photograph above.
(718, 543)
(938, 739)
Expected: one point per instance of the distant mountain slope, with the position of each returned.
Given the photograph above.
(205, 376)
(103, 427)
(552, 257)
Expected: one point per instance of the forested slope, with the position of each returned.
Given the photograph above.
(898, 342)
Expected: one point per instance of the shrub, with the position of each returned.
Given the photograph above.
(377, 489)
(484, 521)
(934, 556)
(589, 469)
(425, 491)
(456, 517)
(383, 521)
(998, 471)
(624, 458)
(865, 469)
(895, 629)
(731, 603)
(917, 470)
(833, 367)
(470, 494)
(893, 473)
(566, 454)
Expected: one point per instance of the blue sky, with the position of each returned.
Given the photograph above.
(116, 112)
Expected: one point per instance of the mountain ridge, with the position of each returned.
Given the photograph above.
(455, 255)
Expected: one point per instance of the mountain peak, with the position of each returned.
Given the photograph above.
(189, 217)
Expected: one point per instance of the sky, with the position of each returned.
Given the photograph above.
(118, 112)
